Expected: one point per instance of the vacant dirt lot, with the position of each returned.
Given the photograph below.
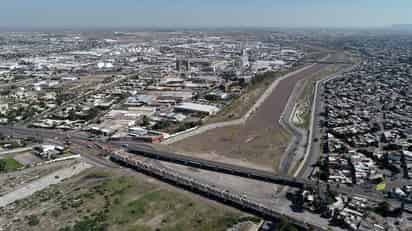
(261, 140)
(116, 200)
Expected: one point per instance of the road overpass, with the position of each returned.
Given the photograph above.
(326, 61)
(220, 167)
(251, 173)
(210, 191)
(261, 175)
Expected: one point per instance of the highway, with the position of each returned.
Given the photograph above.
(326, 62)
(313, 151)
(210, 191)
(79, 142)
(259, 175)
(137, 148)
(256, 174)
(231, 198)
(15, 151)
(19, 83)
(297, 152)
(87, 148)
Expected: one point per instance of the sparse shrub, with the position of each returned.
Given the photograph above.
(55, 213)
(33, 220)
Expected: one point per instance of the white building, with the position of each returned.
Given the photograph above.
(194, 107)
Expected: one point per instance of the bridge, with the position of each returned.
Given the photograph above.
(234, 199)
(251, 173)
(325, 62)
(209, 191)
(261, 175)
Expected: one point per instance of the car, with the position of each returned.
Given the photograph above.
(408, 188)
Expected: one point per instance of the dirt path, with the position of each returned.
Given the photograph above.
(42, 183)
(261, 139)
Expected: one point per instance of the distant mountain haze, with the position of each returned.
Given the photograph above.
(200, 13)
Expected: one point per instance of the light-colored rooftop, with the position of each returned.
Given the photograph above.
(198, 108)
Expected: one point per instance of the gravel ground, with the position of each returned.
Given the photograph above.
(13, 180)
(42, 183)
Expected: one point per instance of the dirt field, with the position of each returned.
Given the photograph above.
(12, 180)
(261, 140)
(117, 200)
(239, 106)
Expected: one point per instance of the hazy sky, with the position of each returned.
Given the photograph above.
(185, 13)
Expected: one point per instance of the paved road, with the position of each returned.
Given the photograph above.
(256, 174)
(260, 175)
(20, 83)
(313, 150)
(80, 141)
(15, 151)
(80, 144)
(301, 149)
(283, 205)
(295, 155)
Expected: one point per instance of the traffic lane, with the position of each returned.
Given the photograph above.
(39, 132)
(315, 152)
(259, 174)
(218, 167)
(130, 143)
(351, 191)
(88, 150)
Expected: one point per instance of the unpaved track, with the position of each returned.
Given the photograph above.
(42, 183)
(260, 139)
(268, 92)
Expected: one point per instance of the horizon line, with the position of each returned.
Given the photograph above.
(183, 27)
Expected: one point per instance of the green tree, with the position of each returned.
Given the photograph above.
(145, 121)
(33, 220)
(383, 208)
(2, 166)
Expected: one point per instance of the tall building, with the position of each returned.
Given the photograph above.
(244, 59)
(182, 65)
